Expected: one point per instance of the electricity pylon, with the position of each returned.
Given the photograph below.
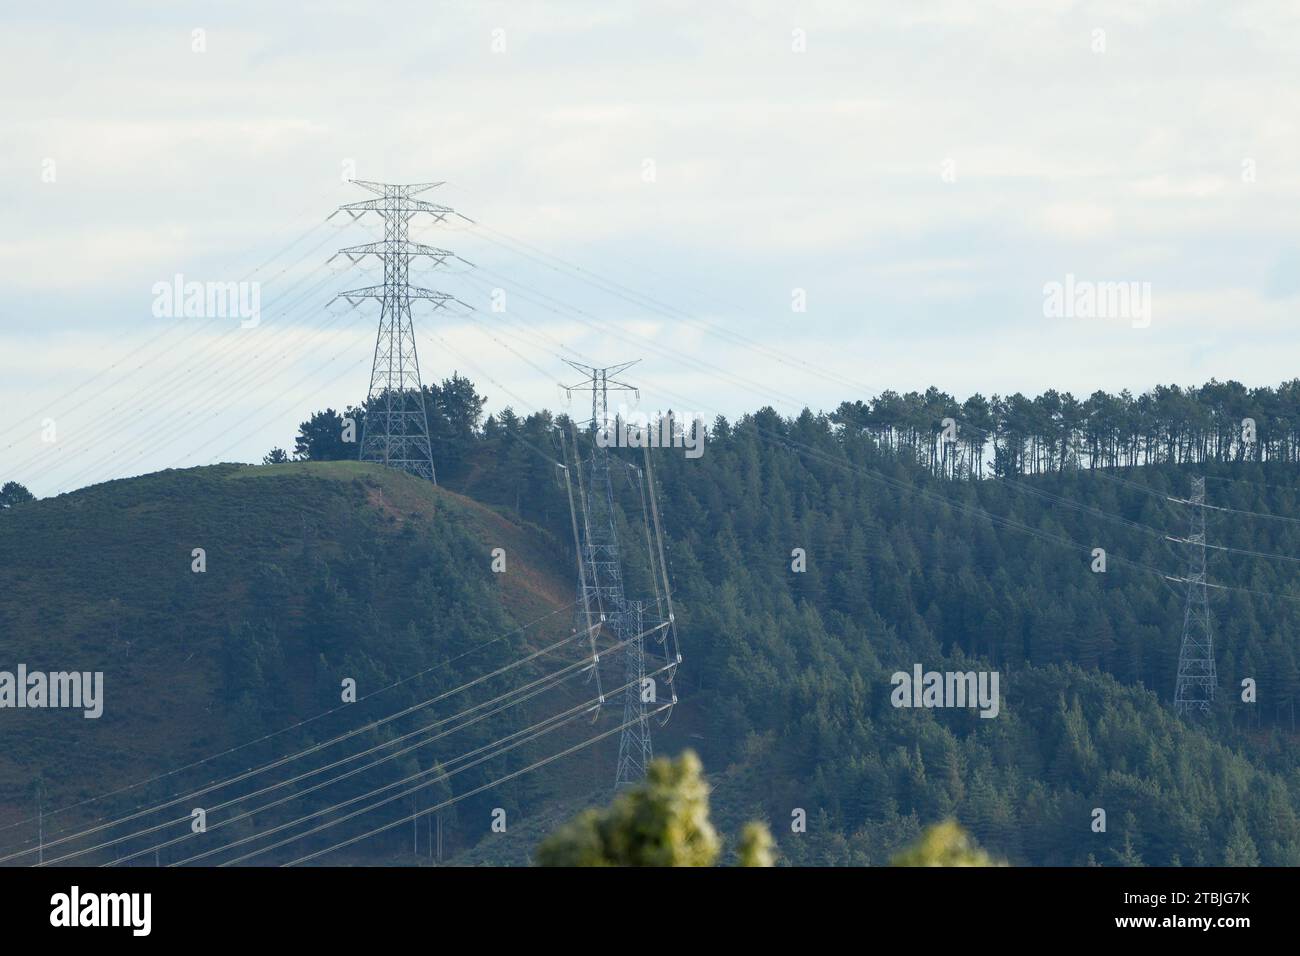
(634, 746)
(1194, 691)
(396, 426)
(601, 584)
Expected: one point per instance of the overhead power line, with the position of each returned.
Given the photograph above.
(469, 793)
(281, 761)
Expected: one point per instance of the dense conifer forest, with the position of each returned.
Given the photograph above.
(322, 566)
(786, 688)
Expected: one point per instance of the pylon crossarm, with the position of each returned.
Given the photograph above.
(411, 292)
(403, 247)
(394, 205)
(410, 189)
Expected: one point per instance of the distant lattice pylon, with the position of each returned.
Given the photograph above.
(601, 583)
(396, 426)
(1194, 691)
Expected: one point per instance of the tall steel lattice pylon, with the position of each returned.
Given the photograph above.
(395, 430)
(1196, 675)
(601, 595)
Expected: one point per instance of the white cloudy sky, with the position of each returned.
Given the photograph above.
(1171, 157)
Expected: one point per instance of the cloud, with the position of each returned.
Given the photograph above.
(920, 171)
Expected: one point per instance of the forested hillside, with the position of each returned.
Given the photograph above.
(785, 685)
(313, 574)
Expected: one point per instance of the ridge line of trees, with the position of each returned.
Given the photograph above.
(1017, 435)
(971, 439)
